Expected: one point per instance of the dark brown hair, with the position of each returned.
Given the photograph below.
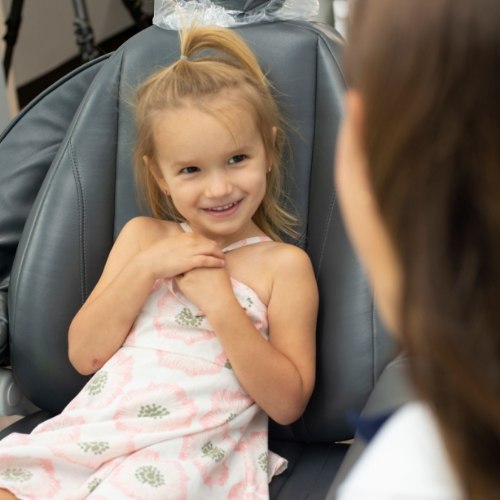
(215, 61)
(429, 75)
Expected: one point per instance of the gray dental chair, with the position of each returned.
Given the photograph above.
(66, 190)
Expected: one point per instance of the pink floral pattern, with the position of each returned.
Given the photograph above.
(164, 418)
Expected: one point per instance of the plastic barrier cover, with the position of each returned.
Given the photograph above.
(177, 14)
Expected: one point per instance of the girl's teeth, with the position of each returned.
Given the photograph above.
(220, 209)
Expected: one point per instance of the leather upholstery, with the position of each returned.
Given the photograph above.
(27, 148)
(87, 195)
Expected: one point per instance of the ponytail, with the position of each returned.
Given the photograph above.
(214, 60)
(223, 41)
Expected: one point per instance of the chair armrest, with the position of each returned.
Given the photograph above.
(12, 400)
(27, 424)
(392, 390)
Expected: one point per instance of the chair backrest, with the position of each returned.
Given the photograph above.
(88, 195)
(24, 164)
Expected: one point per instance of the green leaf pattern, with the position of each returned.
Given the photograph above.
(150, 475)
(232, 416)
(95, 447)
(187, 318)
(212, 451)
(97, 383)
(94, 484)
(16, 474)
(153, 411)
(263, 461)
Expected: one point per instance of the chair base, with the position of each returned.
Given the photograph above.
(311, 469)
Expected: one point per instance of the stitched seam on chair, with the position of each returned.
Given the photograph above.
(39, 207)
(331, 209)
(323, 36)
(117, 139)
(55, 166)
(324, 237)
(80, 198)
(302, 419)
(331, 206)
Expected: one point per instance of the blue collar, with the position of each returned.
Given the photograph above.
(368, 427)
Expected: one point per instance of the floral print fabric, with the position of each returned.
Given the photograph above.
(164, 418)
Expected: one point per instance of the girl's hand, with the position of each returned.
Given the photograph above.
(181, 253)
(145, 250)
(206, 288)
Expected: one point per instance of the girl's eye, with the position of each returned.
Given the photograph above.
(189, 170)
(237, 159)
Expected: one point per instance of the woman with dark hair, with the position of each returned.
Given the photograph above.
(418, 174)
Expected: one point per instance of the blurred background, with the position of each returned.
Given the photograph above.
(49, 44)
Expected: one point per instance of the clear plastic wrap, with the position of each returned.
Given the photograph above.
(177, 14)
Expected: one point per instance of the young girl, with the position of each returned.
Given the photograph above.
(202, 319)
(418, 175)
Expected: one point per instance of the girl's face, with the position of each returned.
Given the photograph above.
(361, 215)
(213, 169)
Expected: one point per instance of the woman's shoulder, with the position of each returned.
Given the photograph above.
(406, 459)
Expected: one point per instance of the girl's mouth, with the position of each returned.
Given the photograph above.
(223, 210)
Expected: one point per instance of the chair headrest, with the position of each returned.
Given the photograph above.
(251, 9)
(247, 6)
(175, 14)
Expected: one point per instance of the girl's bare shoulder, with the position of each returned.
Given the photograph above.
(285, 262)
(291, 265)
(147, 230)
(285, 255)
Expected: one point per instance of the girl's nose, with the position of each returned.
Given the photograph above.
(218, 185)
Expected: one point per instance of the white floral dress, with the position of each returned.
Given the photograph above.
(165, 418)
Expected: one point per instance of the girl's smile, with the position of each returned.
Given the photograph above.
(213, 165)
(225, 210)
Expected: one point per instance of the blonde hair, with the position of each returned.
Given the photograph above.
(223, 62)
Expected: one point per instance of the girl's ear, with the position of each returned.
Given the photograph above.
(275, 133)
(153, 169)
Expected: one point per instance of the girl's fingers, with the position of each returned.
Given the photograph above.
(211, 248)
(203, 245)
(209, 261)
(199, 261)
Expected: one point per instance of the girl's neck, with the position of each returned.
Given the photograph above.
(225, 240)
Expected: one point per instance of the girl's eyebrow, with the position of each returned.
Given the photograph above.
(237, 151)
(228, 154)
(182, 163)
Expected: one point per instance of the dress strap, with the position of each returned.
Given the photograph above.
(246, 242)
(237, 244)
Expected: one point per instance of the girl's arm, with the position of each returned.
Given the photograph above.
(143, 252)
(279, 374)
